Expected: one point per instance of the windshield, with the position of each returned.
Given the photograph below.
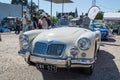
(75, 22)
(98, 25)
(68, 22)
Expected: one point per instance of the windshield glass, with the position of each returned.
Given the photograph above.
(98, 25)
(75, 22)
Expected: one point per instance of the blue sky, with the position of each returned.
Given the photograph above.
(81, 5)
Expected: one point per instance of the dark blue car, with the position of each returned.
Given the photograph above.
(103, 29)
(4, 29)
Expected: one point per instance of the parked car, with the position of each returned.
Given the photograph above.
(61, 47)
(4, 29)
(102, 28)
(116, 30)
(9, 22)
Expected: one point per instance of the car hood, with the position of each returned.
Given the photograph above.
(64, 34)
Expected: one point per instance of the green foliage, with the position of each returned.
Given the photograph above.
(33, 8)
(99, 15)
(54, 19)
(70, 17)
(119, 11)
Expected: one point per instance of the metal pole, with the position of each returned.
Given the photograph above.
(62, 7)
(31, 8)
(38, 4)
(22, 8)
(51, 9)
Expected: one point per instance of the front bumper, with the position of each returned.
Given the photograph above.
(60, 63)
(63, 63)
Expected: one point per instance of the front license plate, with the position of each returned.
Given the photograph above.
(47, 67)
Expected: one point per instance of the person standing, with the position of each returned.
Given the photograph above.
(86, 21)
(17, 30)
(80, 21)
(44, 22)
(35, 21)
(25, 21)
(64, 21)
(49, 21)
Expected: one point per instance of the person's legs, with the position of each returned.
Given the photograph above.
(24, 28)
(18, 29)
(15, 29)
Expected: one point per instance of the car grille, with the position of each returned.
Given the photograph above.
(52, 49)
(104, 33)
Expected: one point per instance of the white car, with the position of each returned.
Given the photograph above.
(61, 47)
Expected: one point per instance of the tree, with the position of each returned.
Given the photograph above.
(54, 19)
(119, 11)
(70, 17)
(33, 8)
(14, 2)
(99, 15)
(21, 2)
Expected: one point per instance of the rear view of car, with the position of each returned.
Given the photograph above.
(103, 29)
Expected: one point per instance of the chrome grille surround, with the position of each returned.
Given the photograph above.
(49, 48)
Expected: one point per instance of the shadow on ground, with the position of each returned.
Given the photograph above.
(109, 40)
(105, 69)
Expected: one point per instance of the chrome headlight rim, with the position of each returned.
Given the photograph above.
(24, 41)
(84, 43)
(23, 37)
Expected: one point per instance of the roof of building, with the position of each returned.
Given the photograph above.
(60, 1)
(111, 16)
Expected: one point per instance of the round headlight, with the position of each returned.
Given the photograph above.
(23, 37)
(25, 44)
(84, 43)
(24, 41)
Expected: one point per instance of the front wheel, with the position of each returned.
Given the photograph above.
(89, 70)
(27, 60)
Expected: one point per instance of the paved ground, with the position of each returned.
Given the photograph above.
(13, 67)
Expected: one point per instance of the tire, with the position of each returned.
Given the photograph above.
(95, 51)
(89, 70)
(27, 60)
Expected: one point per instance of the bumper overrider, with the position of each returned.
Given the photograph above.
(59, 63)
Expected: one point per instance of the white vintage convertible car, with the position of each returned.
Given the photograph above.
(61, 47)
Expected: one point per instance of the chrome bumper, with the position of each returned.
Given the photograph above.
(24, 54)
(60, 63)
(68, 63)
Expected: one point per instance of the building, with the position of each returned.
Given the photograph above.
(10, 10)
(113, 19)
